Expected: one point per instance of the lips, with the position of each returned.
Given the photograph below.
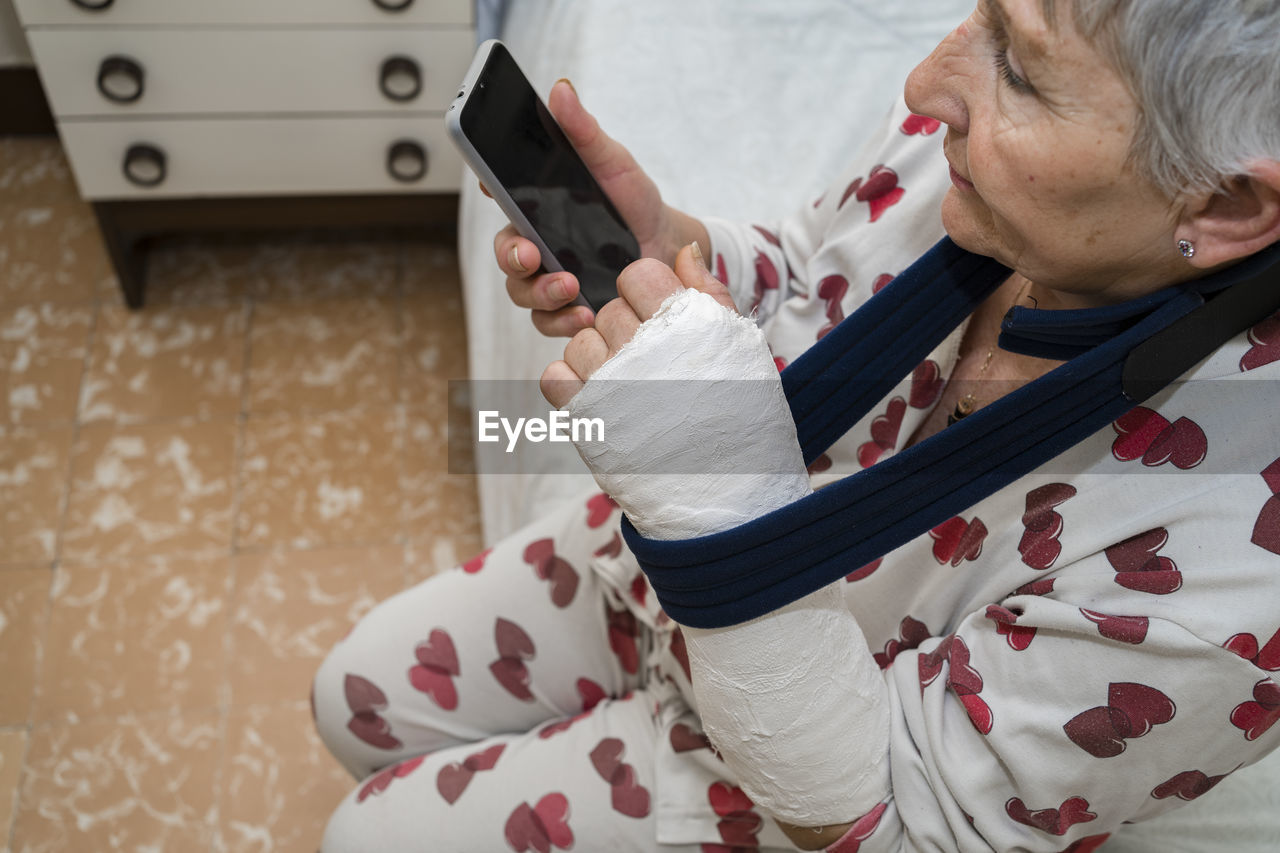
(958, 180)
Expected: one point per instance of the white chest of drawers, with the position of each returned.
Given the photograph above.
(224, 100)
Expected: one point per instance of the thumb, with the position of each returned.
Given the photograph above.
(691, 269)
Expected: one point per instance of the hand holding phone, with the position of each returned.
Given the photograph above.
(509, 138)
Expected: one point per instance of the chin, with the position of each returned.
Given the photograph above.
(969, 232)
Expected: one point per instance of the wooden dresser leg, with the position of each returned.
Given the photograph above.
(127, 257)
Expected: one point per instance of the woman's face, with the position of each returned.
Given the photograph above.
(1038, 134)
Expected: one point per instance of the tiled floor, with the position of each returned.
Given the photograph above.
(196, 500)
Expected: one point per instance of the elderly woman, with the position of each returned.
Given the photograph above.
(1036, 612)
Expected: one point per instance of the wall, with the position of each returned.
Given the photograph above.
(13, 47)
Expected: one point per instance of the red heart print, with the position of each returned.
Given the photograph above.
(1187, 785)
(366, 699)
(884, 433)
(881, 282)
(1265, 338)
(979, 712)
(817, 466)
(684, 739)
(514, 648)
(930, 663)
(728, 799)
(1256, 717)
(1044, 586)
(957, 540)
(486, 759)
(606, 758)
(849, 191)
(1122, 629)
(1182, 443)
(1135, 431)
(1140, 568)
(476, 563)
(911, 633)
(766, 279)
(552, 729)
(832, 290)
(628, 796)
(592, 694)
(452, 780)
(1266, 530)
(612, 548)
(540, 827)
(624, 633)
(1053, 821)
(1246, 645)
(1039, 545)
(378, 783)
(862, 829)
(1147, 435)
(436, 667)
(864, 572)
(722, 270)
(599, 508)
(881, 191)
(922, 125)
(1018, 637)
(549, 567)
(639, 589)
(768, 235)
(1132, 710)
(1143, 706)
(1088, 844)
(926, 384)
(1271, 475)
(963, 678)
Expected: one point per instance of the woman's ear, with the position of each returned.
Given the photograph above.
(1238, 220)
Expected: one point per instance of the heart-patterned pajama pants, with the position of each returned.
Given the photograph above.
(515, 703)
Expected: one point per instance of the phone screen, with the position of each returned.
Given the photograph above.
(514, 133)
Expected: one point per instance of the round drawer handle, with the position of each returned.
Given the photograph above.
(407, 161)
(99, 5)
(400, 78)
(386, 5)
(145, 165)
(121, 79)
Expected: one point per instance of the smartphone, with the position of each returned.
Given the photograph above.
(509, 139)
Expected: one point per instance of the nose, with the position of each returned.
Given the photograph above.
(936, 87)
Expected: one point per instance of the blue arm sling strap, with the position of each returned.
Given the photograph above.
(1117, 357)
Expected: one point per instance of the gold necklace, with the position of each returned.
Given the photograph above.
(968, 404)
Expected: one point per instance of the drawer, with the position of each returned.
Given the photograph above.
(259, 156)
(194, 12)
(230, 71)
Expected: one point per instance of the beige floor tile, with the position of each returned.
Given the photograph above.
(24, 601)
(51, 253)
(146, 489)
(328, 355)
(42, 359)
(279, 783)
(142, 636)
(145, 783)
(13, 746)
(321, 479)
(290, 607)
(34, 171)
(34, 469)
(435, 342)
(328, 266)
(441, 510)
(166, 362)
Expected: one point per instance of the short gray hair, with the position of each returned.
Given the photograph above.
(1206, 78)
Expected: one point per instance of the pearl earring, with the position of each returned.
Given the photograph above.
(1187, 248)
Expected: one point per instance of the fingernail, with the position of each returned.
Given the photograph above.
(559, 289)
(569, 82)
(514, 260)
(696, 251)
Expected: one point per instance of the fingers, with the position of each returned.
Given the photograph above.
(516, 256)
(692, 270)
(645, 284)
(603, 156)
(559, 383)
(564, 323)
